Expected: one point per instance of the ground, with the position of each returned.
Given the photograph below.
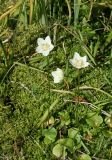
(41, 120)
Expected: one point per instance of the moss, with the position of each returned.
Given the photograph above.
(29, 99)
(24, 93)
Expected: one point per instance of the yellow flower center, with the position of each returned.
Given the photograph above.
(79, 63)
(45, 46)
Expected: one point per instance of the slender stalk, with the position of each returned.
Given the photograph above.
(43, 12)
(66, 59)
(25, 15)
(78, 85)
(63, 92)
(76, 11)
(13, 46)
(78, 93)
(82, 88)
(5, 54)
(70, 12)
(46, 114)
(7, 73)
(49, 90)
(31, 11)
(55, 34)
(97, 89)
(91, 6)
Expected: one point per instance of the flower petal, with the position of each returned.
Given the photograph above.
(38, 49)
(78, 61)
(51, 47)
(86, 64)
(72, 62)
(57, 75)
(76, 56)
(44, 46)
(56, 78)
(84, 58)
(60, 72)
(45, 53)
(53, 73)
(40, 41)
(48, 40)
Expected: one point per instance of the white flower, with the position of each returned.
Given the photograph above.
(78, 61)
(44, 46)
(58, 75)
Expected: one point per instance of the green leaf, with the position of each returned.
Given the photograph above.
(84, 157)
(68, 142)
(50, 134)
(94, 120)
(58, 150)
(108, 121)
(72, 133)
(65, 118)
(47, 141)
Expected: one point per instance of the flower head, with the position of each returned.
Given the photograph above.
(44, 46)
(78, 61)
(58, 75)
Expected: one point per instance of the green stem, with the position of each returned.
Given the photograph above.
(49, 90)
(5, 54)
(46, 114)
(78, 85)
(97, 89)
(76, 11)
(78, 93)
(69, 11)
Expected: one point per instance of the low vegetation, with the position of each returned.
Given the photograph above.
(49, 113)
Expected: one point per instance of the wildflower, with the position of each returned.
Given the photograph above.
(44, 46)
(58, 75)
(78, 61)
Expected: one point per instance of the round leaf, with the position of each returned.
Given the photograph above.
(50, 133)
(85, 157)
(94, 120)
(57, 150)
(68, 142)
(72, 133)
